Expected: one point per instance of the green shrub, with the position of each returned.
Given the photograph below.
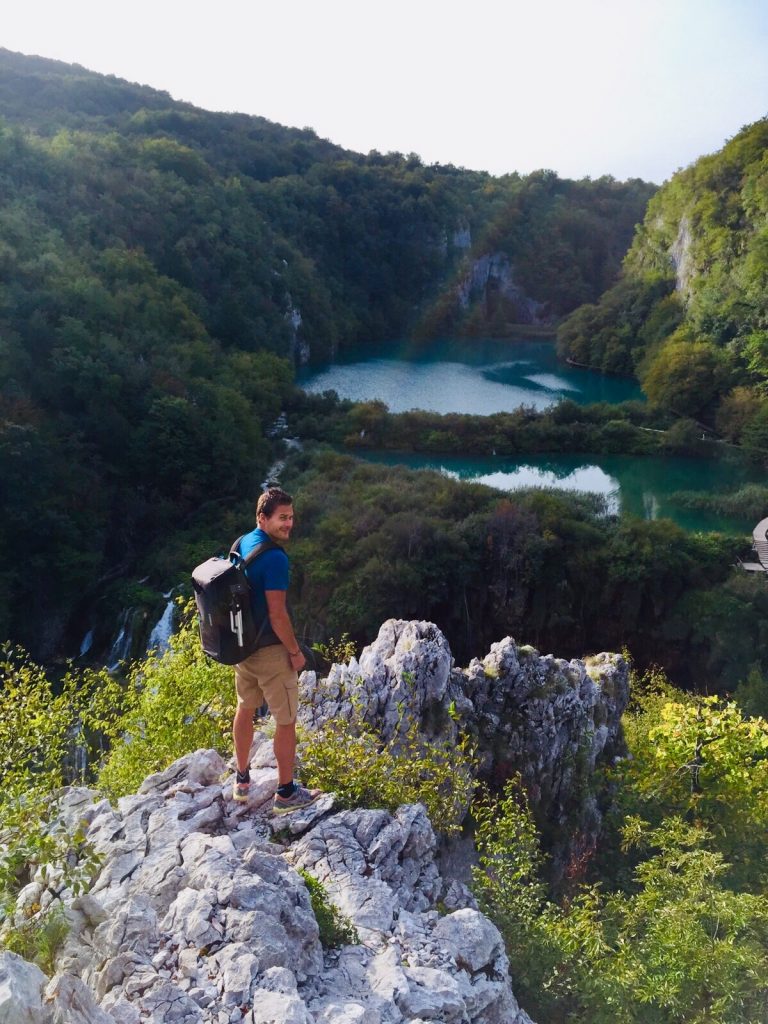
(340, 651)
(39, 725)
(169, 705)
(699, 758)
(39, 938)
(678, 947)
(335, 928)
(350, 759)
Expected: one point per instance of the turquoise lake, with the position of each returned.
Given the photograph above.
(474, 376)
(483, 377)
(641, 486)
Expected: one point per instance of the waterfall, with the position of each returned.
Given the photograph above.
(651, 506)
(87, 643)
(277, 432)
(121, 648)
(160, 636)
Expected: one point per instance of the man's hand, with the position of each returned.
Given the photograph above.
(281, 625)
(297, 660)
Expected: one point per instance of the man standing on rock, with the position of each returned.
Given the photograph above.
(271, 672)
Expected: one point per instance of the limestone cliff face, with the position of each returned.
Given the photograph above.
(552, 721)
(199, 915)
(489, 281)
(680, 254)
(299, 346)
(706, 225)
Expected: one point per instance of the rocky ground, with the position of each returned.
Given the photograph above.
(199, 914)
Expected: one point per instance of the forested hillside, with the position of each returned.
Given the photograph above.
(162, 270)
(690, 316)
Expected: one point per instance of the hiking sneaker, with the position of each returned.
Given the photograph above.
(301, 797)
(240, 791)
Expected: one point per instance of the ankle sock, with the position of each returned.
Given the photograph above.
(244, 776)
(287, 789)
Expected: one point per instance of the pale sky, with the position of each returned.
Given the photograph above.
(632, 88)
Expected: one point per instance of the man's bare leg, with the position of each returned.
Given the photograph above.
(284, 746)
(242, 734)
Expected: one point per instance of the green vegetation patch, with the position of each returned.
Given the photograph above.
(349, 759)
(670, 923)
(336, 929)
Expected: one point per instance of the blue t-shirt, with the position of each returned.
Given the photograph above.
(268, 572)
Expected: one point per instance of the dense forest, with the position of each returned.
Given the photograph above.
(689, 316)
(163, 271)
(163, 268)
(548, 568)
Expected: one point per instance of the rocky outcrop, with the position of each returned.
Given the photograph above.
(491, 277)
(682, 260)
(198, 914)
(299, 346)
(547, 719)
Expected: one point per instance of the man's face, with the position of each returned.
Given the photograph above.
(278, 526)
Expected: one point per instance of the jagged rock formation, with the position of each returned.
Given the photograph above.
(548, 719)
(199, 914)
(680, 254)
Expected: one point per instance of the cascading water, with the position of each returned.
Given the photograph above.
(159, 638)
(86, 644)
(121, 648)
(277, 432)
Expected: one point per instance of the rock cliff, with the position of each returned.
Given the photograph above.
(199, 913)
(489, 279)
(550, 720)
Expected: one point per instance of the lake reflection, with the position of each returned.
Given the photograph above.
(476, 376)
(582, 478)
(483, 376)
(642, 486)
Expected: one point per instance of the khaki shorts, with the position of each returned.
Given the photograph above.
(267, 676)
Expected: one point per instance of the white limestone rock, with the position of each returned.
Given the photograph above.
(198, 915)
(73, 1002)
(543, 717)
(278, 1008)
(386, 977)
(373, 863)
(432, 995)
(21, 991)
(473, 940)
(346, 1011)
(169, 1004)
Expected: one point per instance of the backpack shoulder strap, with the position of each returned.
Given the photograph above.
(237, 558)
(266, 545)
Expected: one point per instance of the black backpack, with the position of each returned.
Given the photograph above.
(228, 631)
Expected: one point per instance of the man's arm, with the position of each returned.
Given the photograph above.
(280, 621)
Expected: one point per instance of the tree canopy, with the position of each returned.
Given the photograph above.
(689, 316)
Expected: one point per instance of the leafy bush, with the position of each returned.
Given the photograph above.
(699, 758)
(171, 704)
(340, 651)
(350, 759)
(335, 928)
(752, 694)
(678, 947)
(39, 725)
(39, 938)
